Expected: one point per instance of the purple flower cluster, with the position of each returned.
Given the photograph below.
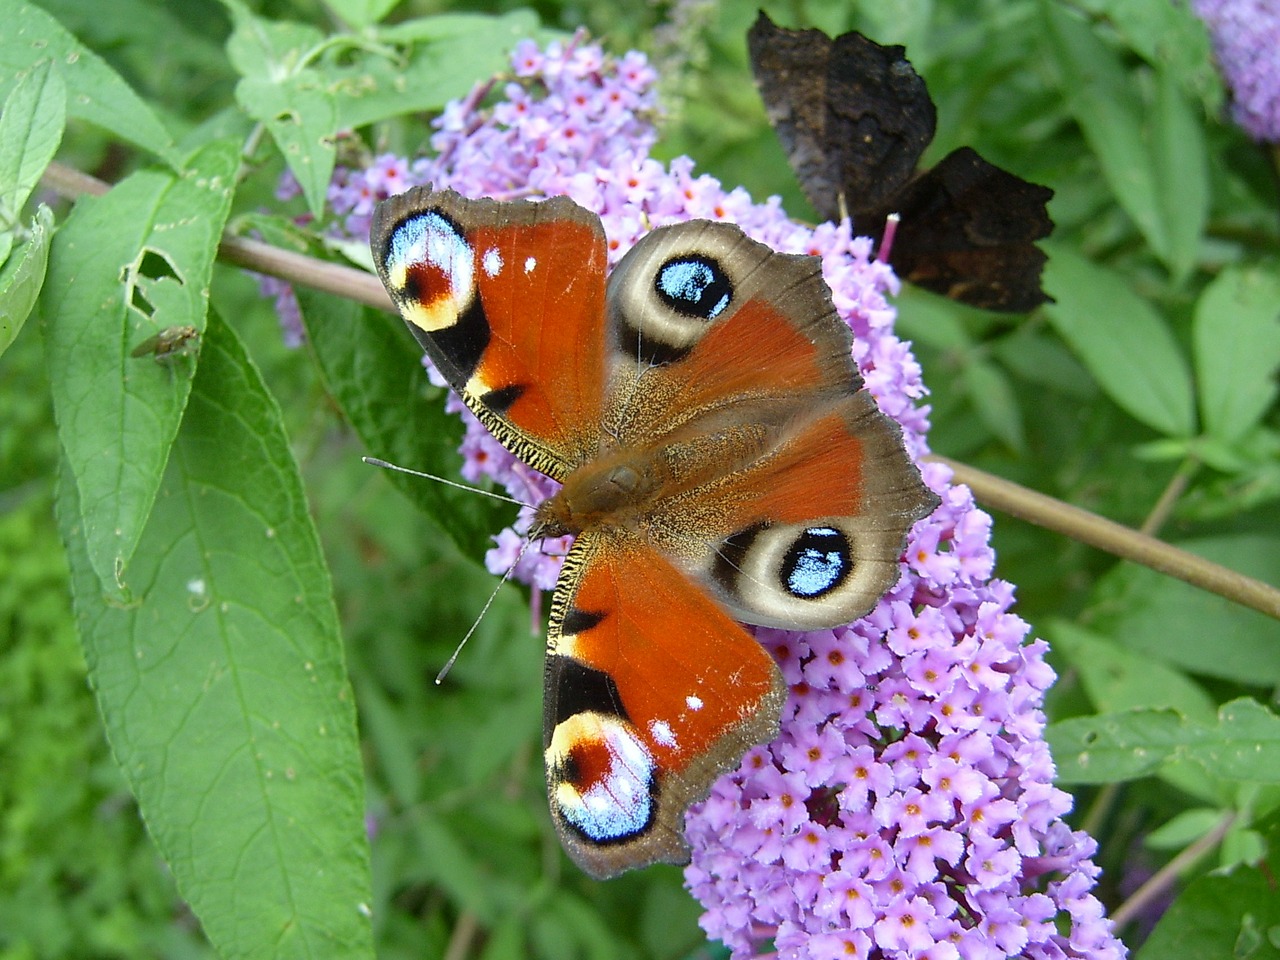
(907, 809)
(1246, 38)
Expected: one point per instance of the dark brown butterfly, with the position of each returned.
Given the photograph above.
(854, 118)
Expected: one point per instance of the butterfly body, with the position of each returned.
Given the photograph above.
(718, 460)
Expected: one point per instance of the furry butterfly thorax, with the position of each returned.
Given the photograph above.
(720, 464)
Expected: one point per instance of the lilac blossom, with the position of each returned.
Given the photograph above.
(907, 808)
(1246, 36)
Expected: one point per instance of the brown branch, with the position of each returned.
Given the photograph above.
(991, 490)
(358, 285)
(1116, 539)
(1164, 878)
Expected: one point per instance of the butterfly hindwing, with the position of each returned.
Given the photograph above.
(506, 298)
(652, 691)
(786, 493)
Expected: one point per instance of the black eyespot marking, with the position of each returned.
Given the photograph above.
(500, 400)
(695, 286)
(817, 563)
(579, 621)
(579, 689)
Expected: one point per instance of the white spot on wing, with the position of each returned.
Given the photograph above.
(662, 733)
(529, 264)
(492, 262)
(692, 702)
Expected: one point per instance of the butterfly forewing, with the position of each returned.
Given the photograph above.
(506, 298)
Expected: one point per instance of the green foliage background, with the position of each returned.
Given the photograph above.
(244, 587)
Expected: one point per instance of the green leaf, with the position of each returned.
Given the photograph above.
(932, 320)
(1038, 357)
(124, 267)
(280, 90)
(1114, 747)
(95, 92)
(30, 131)
(268, 49)
(1184, 828)
(1244, 744)
(223, 686)
(302, 117)
(1103, 100)
(1123, 341)
(1181, 169)
(1170, 621)
(23, 277)
(1118, 679)
(1164, 34)
(362, 13)
(451, 28)
(993, 398)
(448, 54)
(374, 370)
(1237, 350)
(1234, 915)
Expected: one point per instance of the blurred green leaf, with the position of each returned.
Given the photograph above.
(124, 267)
(374, 370)
(23, 276)
(362, 13)
(1116, 678)
(1235, 915)
(1237, 349)
(1164, 34)
(95, 92)
(223, 687)
(1167, 620)
(1105, 103)
(1187, 827)
(1038, 357)
(1181, 170)
(1114, 747)
(448, 53)
(1123, 341)
(30, 131)
(993, 398)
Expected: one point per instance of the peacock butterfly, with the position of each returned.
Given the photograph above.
(719, 460)
(854, 118)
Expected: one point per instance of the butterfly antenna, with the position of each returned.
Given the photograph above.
(444, 671)
(375, 462)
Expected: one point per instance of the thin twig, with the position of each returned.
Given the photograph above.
(1176, 487)
(1167, 876)
(464, 935)
(1115, 538)
(993, 491)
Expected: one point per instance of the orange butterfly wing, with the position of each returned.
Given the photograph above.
(652, 691)
(507, 300)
